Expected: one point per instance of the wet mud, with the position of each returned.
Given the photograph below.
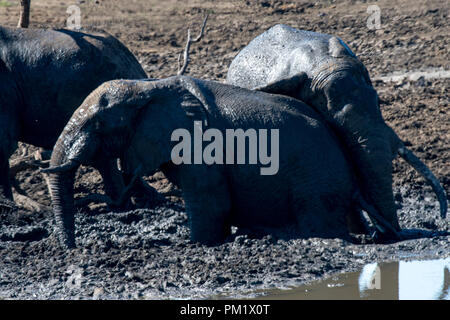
(145, 253)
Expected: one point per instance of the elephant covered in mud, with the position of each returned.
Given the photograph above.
(44, 76)
(322, 71)
(309, 183)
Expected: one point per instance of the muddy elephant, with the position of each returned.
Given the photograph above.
(44, 76)
(322, 71)
(310, 185)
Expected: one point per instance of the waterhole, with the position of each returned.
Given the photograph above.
(400, 280)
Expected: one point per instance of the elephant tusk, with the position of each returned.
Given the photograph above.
(428, 175)
(65, 167)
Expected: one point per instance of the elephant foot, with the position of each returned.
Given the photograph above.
(144, 195)
(374, 237)
(212, 237)
(357, 223)
(363, 238)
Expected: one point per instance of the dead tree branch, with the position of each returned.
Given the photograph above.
(25, 163)
(26, 202)
(189, 41)
(24, 19)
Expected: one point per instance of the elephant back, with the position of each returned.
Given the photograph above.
(283, 52)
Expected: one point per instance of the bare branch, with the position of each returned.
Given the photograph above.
(24, 201)
(199, 37)
(24, 19)
(93, 197)
(185, 55)
(179, 63)
(25, 163)
(188, 46)
(30, 204)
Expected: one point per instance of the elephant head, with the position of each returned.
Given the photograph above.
(109, 125)
(341, 91)
(321, 70)
(370, 141)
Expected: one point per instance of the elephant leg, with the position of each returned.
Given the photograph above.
(142, 192)
(7, 148)
(5, 183)
(112, 178)
(208, 203)
(320, 216)
(355, 222)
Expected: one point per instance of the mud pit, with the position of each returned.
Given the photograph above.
(145, 253)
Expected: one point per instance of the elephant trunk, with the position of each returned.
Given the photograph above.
(70, 151)
(60, 183)
(373, 153)
(373, 160)
(61, 191)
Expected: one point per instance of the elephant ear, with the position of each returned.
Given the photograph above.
(338, 49)
(291, 86)
(194, 103)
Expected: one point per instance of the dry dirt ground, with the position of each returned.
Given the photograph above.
(145, 253)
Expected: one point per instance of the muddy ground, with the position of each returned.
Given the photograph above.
(146, 253)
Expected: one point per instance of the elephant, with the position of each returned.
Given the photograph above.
(322, 71)
(313, 187)
(44, 76)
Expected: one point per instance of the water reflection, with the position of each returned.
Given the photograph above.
(402, 280)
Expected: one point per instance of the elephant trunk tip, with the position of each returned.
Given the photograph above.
(65, 167)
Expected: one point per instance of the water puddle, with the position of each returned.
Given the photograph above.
(401, 280)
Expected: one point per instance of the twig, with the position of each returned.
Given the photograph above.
(188, 45)
(30, 204)
(25, 163)
(24, 19)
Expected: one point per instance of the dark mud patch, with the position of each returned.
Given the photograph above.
(24, 234)
(146, 254)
